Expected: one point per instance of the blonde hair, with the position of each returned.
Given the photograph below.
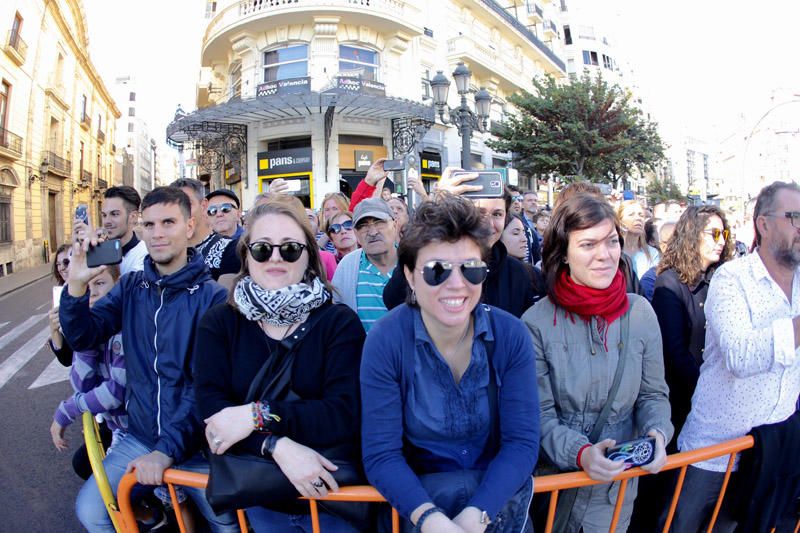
(342, 201)
(640, 239)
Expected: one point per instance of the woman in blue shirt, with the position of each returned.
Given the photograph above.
(450, 424)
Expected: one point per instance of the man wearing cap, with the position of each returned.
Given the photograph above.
(363, 273)
(223, 213)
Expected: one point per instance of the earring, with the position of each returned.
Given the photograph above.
(413, 297)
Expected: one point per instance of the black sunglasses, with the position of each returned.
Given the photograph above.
(338, 228)
(289, 251)
(225, 208)
(436, 272)
(64, 263)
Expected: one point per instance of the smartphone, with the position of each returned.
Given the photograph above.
(82, 213)
(393, 164)
(294, 185)
(491, 181)
(635, 452)
(105, 253)
(57, 295)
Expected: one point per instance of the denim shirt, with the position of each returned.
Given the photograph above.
(448, 422)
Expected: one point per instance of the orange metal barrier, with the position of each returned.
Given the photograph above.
(543, 484)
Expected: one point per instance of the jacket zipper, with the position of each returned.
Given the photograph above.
(155, 363)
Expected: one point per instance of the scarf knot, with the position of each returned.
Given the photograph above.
(279, 307)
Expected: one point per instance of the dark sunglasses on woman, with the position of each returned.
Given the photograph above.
(225, 208)
(347, 225)
(436, 272)
(64, 263)
(289, 251)
(716, 233)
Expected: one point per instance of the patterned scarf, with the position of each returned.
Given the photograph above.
(280, 307)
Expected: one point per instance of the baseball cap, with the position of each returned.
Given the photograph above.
(372, 208)
(224, 192)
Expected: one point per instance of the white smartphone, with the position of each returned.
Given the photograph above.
(294, 185)
(57, 295)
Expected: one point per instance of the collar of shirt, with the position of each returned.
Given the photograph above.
(131, 245)
(481, 326)
(759, 272)
(367, 266)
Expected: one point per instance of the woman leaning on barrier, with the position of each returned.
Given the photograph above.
(589, 334)
(276, 372)
(450, 427)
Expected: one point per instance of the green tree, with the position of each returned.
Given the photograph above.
(662, 190)
(586, 129)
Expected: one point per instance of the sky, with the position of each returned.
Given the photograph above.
(700, 64)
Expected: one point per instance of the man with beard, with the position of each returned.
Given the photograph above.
(363, 273)
(751, 371)
(120, 212)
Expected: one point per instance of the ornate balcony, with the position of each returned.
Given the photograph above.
(86, 121)
(486, 62)
(102, 184)
(58, 165)
(550, 30)
(86, 177)
(16, 47)
(101, 136)
(10, 144)
(535, 13)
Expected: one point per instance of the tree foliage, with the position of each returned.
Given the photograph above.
(586, 129)
(662, 190)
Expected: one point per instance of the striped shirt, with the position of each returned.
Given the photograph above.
(369, 292)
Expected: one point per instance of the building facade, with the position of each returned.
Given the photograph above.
(133, 136)
(56, 129)
(315, 91)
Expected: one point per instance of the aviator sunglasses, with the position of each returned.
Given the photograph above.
(716, 233)
(289, 251)
(347, 225)
(436, 272)
(225, 208)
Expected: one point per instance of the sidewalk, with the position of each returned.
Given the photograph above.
(21, 279)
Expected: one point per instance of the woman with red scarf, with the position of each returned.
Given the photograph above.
(582, 331)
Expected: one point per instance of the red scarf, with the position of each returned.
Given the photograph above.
(608, 304)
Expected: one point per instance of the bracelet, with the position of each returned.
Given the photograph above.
(268, 446)
(425, 515)
(262, 416)
(580, 452)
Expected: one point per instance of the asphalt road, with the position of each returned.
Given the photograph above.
(36, 481)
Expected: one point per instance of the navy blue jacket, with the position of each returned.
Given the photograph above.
(157, 316)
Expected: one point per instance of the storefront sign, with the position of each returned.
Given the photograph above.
(287, 86)
(363, 160)
(284, 161)
(431, 165)
(357, 85)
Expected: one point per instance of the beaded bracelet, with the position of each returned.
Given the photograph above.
(262, 416)
(424, 516)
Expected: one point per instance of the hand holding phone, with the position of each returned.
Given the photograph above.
(636, 452)
(490, 182)
(105, 253)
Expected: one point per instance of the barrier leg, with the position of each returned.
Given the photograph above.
(314, 516)
(623, 486)
(396, 521)
(675, 496)
(721, 493)
(176, 506)
(551, 512)
(242, 520)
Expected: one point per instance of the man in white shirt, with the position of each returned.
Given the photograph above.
(751, 370)
(120, 213)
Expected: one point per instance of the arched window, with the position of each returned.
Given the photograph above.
(361, 62)
(285, 63)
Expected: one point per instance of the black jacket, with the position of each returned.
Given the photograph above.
(508, 285)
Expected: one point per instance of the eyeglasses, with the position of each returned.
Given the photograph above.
(64, 263)
(793, 216)
(225, 208)
(336, 229)
(289, 251)
(716, 233)
(436, 272)
(378, 225)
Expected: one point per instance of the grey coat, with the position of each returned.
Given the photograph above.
(574, 375)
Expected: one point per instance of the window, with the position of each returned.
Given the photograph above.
(359, 62)
(608, 62)
(81, 162)
(590, 58)
(5, 219)
(84, 106)
(285, 63)
(131, 111)
(235, 83)
(16, 28)
(130, 127)
(132, 97)
(5, 93)
(426, 84)
(99, 122)
(59, 70)
(567, 35)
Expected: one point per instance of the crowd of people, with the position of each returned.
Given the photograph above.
(444, 354)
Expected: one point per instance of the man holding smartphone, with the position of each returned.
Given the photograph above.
(120, 213)
(156, 310)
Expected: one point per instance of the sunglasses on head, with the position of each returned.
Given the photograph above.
(517, 198)
(716, 233)
(436, 272)
(289, 251)
(338, 228)
(225, 208)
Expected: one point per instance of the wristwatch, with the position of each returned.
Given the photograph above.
(268, 446)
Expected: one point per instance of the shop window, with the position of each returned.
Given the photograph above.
(361, 62)
(285, 63)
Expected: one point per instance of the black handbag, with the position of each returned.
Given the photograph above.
(241, 480)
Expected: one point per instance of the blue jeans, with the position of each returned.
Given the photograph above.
(92, 512)
(268, 521)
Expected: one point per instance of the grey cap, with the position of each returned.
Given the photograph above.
(372, 208)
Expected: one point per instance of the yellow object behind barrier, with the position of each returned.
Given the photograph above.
(94, 448)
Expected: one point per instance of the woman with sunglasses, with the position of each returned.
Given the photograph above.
(589, 334)
(58, 345)
(333, 204)
(312, 420)
(450, 426)
(341, 234)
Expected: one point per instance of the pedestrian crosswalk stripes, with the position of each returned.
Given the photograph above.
(54, 373)
(12, 335)
(25, 353)
(3, 324)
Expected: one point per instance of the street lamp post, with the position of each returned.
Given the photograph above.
(462, 117)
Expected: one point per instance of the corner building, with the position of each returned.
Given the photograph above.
(315, 91)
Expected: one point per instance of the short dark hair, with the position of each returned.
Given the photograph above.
(196, 186)
(449, 218)
(130, 198)
(578, 187)
(513, 188)
(168, 195)
(542, 213)
(765, 202)
(579, 211)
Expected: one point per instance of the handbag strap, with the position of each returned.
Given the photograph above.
(289, 343)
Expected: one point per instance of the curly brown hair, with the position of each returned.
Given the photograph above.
(683, 251)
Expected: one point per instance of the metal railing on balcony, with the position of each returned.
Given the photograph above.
(86, 120)
(520, 27)
(534, 8)
(102, 184)
(101, 136)
(86, 177)
(15, 41)
(58, 164)
(11, 142)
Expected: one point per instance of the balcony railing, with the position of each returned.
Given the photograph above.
(58, 164)
(534, 10)
(101, 136)
(102, 184)
(10, 142)
(520, 27)
(86, 121)
(86, 177)
(16, 45)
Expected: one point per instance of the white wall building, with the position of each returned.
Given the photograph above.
(133, 135)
